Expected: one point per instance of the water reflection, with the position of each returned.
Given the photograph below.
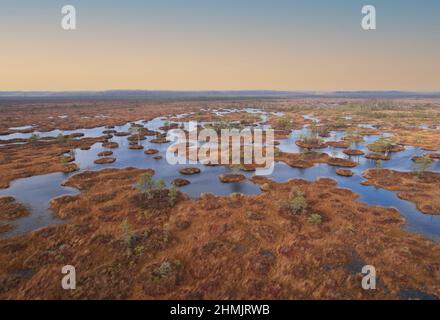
(36, 192)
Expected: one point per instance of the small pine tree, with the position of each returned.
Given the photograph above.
(127, 233)
(172, 195)
(315, 219)
(422, 164)
(61, 138)
(296, 203)
(144, 185)
(34, 137)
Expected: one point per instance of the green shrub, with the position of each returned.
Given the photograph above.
(383, 144)
(61, 138)
(284, 123)
(312, 137)
(136, 131)
(34, 137)
(148, 187)
(422, 164)
(353, 136)
(166, 268)
(296, 203)
(235, 196)
(138, 250)
(127, 236)
(315, 219)
(66, 159)
(378, 115)
(153, 189)
(172, 195)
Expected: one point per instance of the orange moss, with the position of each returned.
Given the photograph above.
(10, 209)
(421, 188)
(240, 247)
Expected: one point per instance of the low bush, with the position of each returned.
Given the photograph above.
(315, 219)
(296, 203)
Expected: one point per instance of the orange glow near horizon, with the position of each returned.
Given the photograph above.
(188, 50)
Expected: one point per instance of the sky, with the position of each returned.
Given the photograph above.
(296, 45)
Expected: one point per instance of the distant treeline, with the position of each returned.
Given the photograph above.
(146, 94)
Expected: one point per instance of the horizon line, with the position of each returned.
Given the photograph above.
(218, 90)
(212, 94)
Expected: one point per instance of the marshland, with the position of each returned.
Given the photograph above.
(87, 183)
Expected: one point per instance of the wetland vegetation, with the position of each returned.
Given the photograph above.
(355, 182)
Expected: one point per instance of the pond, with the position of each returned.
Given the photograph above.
(36, 192)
